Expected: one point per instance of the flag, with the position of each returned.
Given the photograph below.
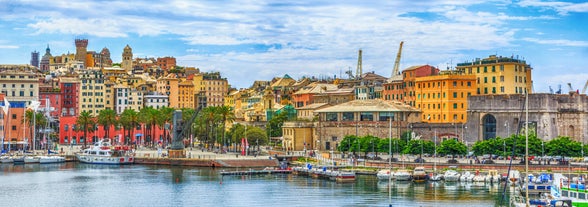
(6, 105)
(242, 146)
(34, 105)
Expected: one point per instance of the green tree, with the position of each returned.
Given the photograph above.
(452, 147)
(86, 123)
(564, 147)
(39, 121)
(164, 122)
(348, 144)
(107, 118)
(227, 115)
(129, 119)
(274, 125)
(256, 136)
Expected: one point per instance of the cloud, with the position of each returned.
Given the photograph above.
(562, 8)
(9, 47)
(570, 43)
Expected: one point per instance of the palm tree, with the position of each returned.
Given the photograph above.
(107, 118)
(38, 121)
(227, 115)
(85, 123)
(165, 118)
(209, 116)
(129, 120)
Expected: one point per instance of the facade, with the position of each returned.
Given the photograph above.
(169, 86)
(358, 117)
(403, 88)
(156, 100)
(550, 116)
(443, 98)
(121, 97)
(211, 89)
(305, 95)
(46, 60)
(186, 98)
(499, 75)
(166, 63)
(69, 90)
(336, 96)
(19, 85)
(91, 96)
(81, 50)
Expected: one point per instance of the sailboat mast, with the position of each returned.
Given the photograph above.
(527, 146)
(390, 161)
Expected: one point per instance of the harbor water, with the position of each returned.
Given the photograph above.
(77, 184)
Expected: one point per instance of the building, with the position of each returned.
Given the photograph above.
(550, 116)
(186, 98)
(155, 100)
(19, 85)
(357, 117)
(305, 95)
(81, 50)
(46, 60)
(402, 88)
(91, 96)
(169, 86)
(35, 59)
(166, 63)
(442, 98)
(336, 96)
(499, 75)
(211, 89)
(69, 92)
(127, 59)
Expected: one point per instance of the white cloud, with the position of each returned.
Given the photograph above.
(571, 43)
(9, 47)
(561, 7)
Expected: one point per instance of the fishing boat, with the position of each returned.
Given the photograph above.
(419, 174)
(344, 176)
(102, 152)
(51, 159)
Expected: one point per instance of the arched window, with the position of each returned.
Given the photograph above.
(489, 128)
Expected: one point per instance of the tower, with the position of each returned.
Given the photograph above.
(35, 59)
(45, 61)
(105, 60)
(127, 58)
(81, 50)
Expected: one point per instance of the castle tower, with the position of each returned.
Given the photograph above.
(35, 59)
(105, 60)
(81, 50)
(127, 58)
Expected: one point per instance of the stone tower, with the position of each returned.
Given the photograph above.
(105, 60)
(127, 58)
(35, 59)
(81, 50)
(45, 61)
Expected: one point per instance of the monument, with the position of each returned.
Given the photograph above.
(177, 147)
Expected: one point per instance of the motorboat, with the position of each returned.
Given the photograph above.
(435, 177)
(51, 159)
(402, 175)
(345, 176)
(451, 176)
(102, 152)
(479, 178)
(384, 174)
(419, 174)
(6, 159)
(492, 177)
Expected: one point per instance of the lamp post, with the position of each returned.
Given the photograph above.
(543, 150)
(504, 148)
(507, 128)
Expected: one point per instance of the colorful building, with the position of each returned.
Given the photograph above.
(402, 88)
(499, 75)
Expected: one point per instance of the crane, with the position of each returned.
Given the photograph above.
(585, 87)
(572, 91)
(396, 71)
(550, 90)
(359, 69)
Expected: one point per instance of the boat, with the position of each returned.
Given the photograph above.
(384, 174)
(18, 160)
(31, 159)
(419, 174)
(451, 176)
(435, 177)
(6, 159)
(345, 176)
(479, 178)
(51, 159)
(492, 177)
(562, 190)
(102, 152)
(402, 175)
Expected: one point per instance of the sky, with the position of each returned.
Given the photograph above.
(250, 40)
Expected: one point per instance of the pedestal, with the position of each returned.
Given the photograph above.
(177, 153)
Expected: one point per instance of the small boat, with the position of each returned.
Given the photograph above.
(18, 160)
(102, 152)
(51, 159)
(451, 176)
(402, 175)
(6, 159)
(384, 174)
(31, 159)
(479, 178)
(435, 177)
(492, 177)
(344, 176)
(419, 174)
(514, 177)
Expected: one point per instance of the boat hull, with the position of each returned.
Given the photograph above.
(51, 159)
(105, 160)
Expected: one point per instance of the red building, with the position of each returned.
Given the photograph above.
(69, 136)
(166, 63)
(69, 92)
(50, 98)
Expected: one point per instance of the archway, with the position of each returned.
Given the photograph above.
(489, 127)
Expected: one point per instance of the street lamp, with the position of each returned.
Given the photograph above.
(507, 129)
(543, 150)
(504, 144)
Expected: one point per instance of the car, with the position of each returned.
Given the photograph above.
(420, 160)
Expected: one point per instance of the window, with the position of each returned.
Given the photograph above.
(367, 116)
(347, 116)
(454, 83)
(485, 69)
(13, 127)
(502, 89)
(455, 106)
(66, 127)
(13, 116)
(493, 89)
(485, 79)
(493, 79)
(485, 90)
(501, 78)
(454, 94)
(331, 116)
(493, 68)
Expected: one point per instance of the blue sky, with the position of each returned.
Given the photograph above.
(257, 40)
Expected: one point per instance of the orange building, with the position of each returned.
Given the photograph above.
(443, 98)
(402, 88)
(166, 63)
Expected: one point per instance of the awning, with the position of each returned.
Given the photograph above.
(138, 135)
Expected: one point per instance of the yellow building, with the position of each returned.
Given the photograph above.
(211, 89)
(499, 75)
(169, 87)
(443, 98)
(186, 94)
(91, 97)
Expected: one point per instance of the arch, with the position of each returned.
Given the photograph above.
(571, 133)
(488, 127)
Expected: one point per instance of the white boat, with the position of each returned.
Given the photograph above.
(402, 175)
(384, 174)
(103, 152)
(51, 159)
(514, 177)
(451, 176)
(419, 174)
(479, 178)
(6, 159)
(492, 177)
(345, 176)
(31, 159)
(561, 189)
(435, 177)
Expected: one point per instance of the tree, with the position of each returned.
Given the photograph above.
(274, 125)
(148, 116)
(564, 147)
(85, 122)
(256, 135)
(452, 147)
(419, 147)
(129, 119)
(227, 115)
(39, 121)
(107, 118)
(164, 119)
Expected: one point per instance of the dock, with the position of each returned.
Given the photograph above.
(257, 172)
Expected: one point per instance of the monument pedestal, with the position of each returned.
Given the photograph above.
(177, 153)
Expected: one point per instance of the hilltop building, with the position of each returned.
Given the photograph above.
(35, 59)
(127, 59)
(499, 75)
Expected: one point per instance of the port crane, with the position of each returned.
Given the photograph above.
(395, 70)
(359, 69)
(585, 87)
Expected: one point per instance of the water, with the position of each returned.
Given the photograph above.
(76, 184)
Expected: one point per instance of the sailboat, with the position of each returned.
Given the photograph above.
(434, 176)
